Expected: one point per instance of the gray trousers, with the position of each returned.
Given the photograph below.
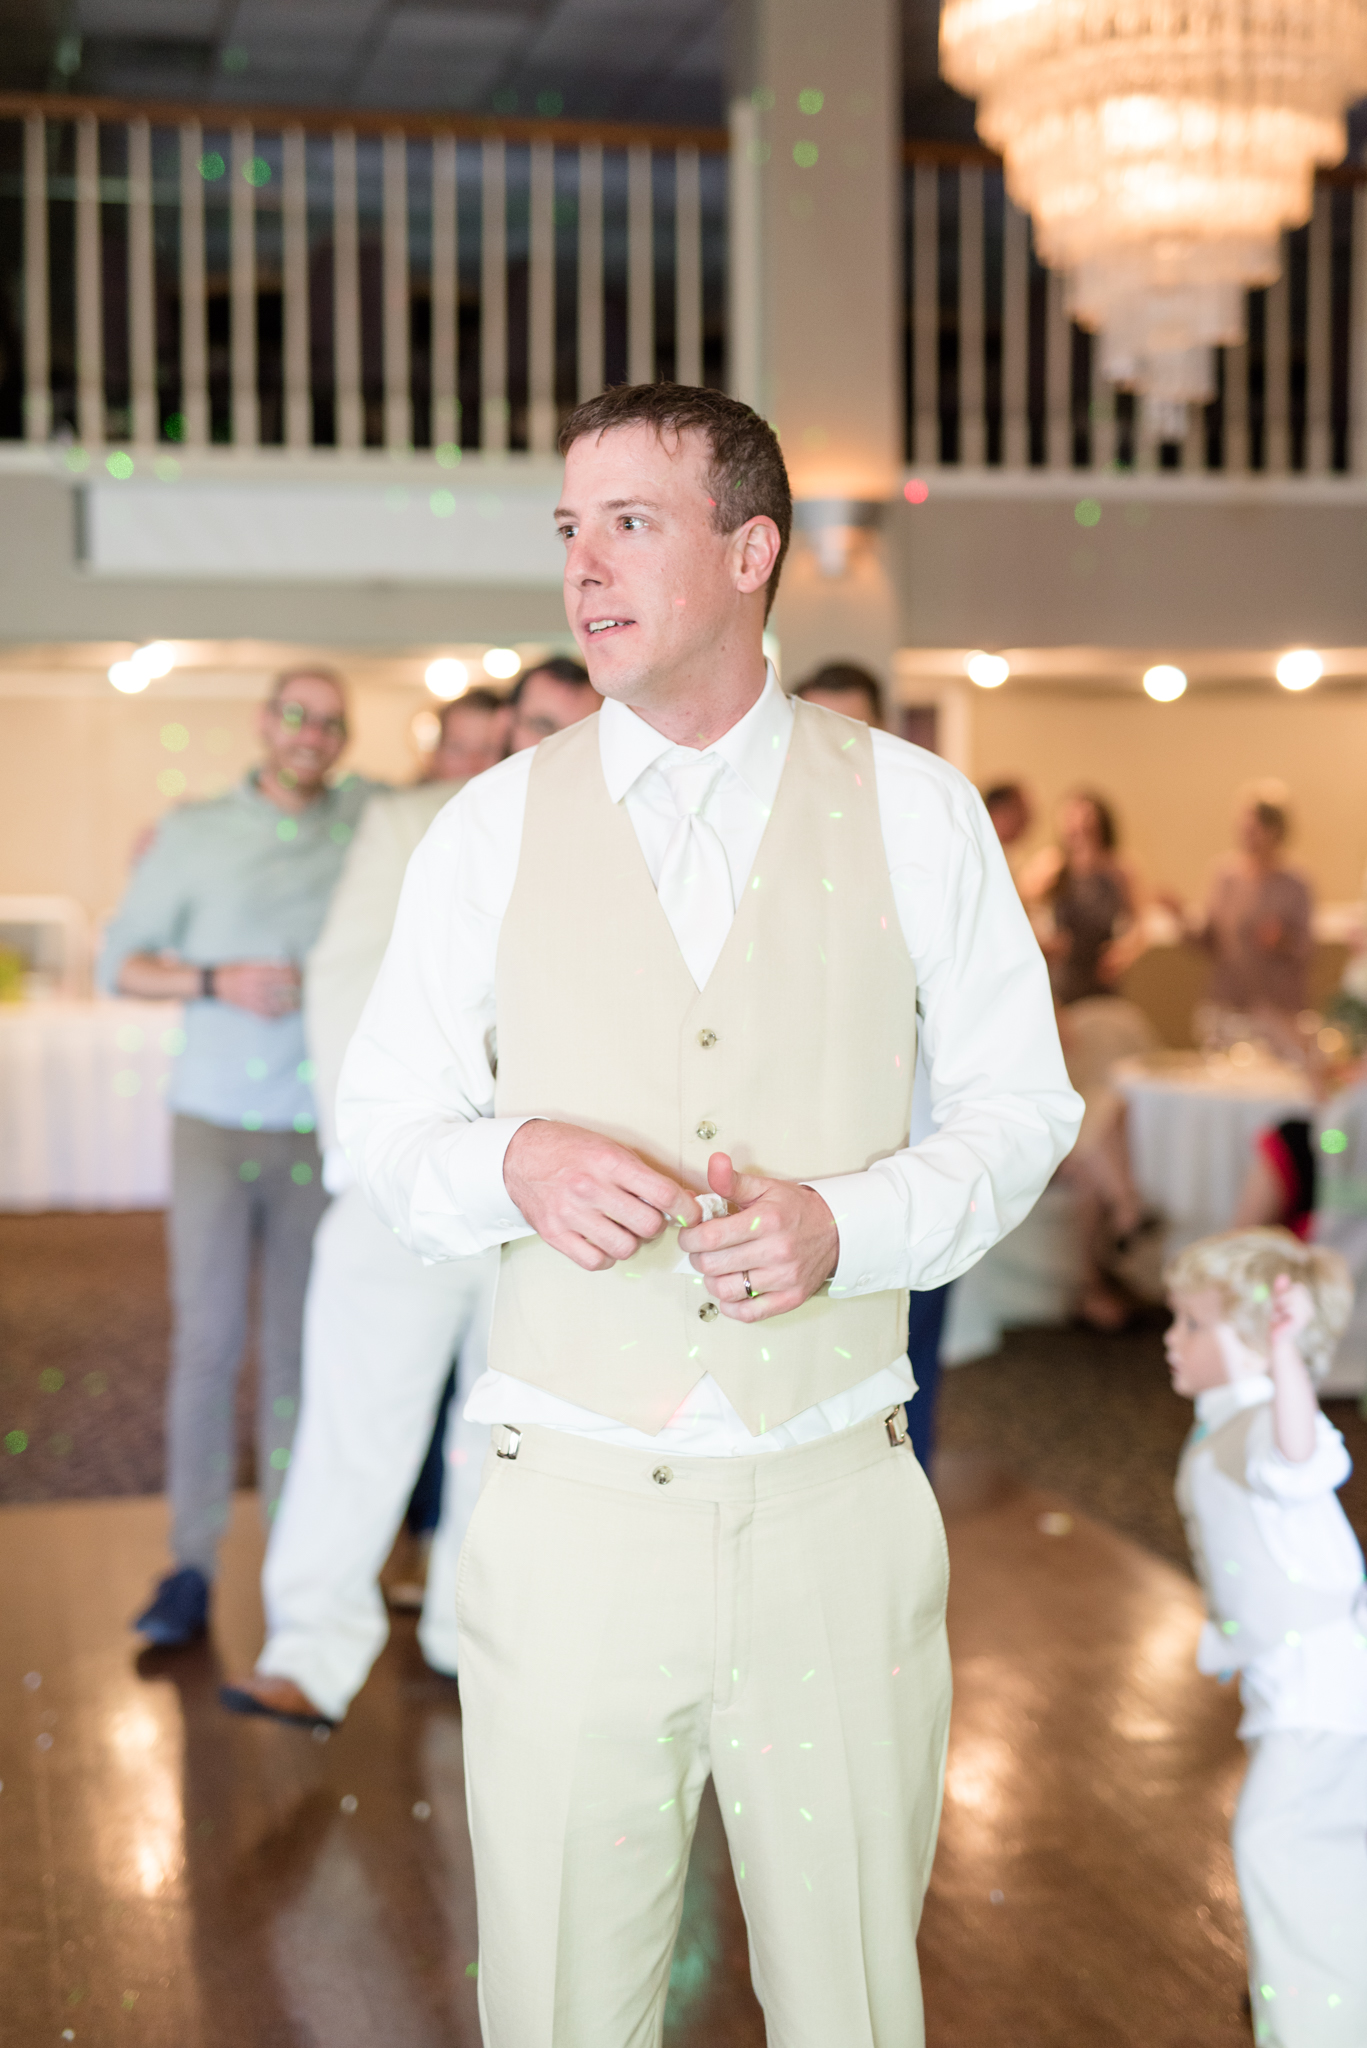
(233, 1191)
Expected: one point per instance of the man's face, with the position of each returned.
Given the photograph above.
(304, 731)
(546, 705)
(653, 594)
(472, 739)
(1010, 819)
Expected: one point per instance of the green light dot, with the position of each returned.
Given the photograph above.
(762, 99)
(51, 1381)
(304, 1123)
(1333, 1141)
(249, 1170)
(211, 167)
(15, 1442)
(340, 833)
(256, 1070)
(279, 1460)
(805, 155)
(119, 465)
(287, 828)
(306, 1071)
(811, 101)
(1087, 512)
(284, 1408)
(257, 172)
(448, 454)
(551, 103)
(173, 1041)
(96, 1383)
(175, 738)
(301, 1174)
(442, 504)
(251, 1120)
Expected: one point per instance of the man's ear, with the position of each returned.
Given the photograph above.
(757, 544)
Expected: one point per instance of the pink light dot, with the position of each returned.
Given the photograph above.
(915, 491)
(618, 1843)
(766, 1749)
(895, 1669)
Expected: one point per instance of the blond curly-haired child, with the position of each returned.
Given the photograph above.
(1256, 1315)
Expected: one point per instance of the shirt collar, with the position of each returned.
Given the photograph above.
(1219, 1405)
(755, 747)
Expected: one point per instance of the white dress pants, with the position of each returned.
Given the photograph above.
(380, 1332)
(1300, 1850)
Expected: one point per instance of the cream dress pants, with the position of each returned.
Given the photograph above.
(1300, 1850)
(380, 1333)
(628, 1627)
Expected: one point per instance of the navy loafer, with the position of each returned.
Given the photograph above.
(179, 1612)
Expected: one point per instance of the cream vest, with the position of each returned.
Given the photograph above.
(796, 1058)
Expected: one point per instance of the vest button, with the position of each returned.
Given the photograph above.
(707, 1039)
(707, 1130)
(662, 1475)
(709, 1312)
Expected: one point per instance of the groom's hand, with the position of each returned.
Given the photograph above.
(780, 1233)
(589, 1197)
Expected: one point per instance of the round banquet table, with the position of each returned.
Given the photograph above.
(1192, 1124)
(83, 1116)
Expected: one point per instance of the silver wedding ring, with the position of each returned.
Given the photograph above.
(749, 1290)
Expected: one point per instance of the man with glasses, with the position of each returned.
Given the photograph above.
(219, 915)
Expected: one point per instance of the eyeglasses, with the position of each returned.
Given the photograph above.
(297, 719)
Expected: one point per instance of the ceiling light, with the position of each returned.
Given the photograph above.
(128, 677)
(447, 678)
(1164, 684)
(502, 664)
(988, 671)
(1299, 669)
(157, 658)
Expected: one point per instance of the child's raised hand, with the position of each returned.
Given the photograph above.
(1292, 1309)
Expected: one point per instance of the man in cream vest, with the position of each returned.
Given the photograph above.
(649, 1022)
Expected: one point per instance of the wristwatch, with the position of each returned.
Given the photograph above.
(206, 983)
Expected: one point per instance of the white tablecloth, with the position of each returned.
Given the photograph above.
(1191, 1131)
(83, 1117)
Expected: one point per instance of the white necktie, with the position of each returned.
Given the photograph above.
(695, 880)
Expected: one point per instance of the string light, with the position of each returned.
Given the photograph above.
(1164, 683)
(447, 678)
(988, 671)
(1300, 669)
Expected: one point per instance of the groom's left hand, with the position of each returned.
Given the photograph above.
(779, 1232)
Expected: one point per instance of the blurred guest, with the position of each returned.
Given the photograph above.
(473, 736)
(380, 1327)
(554, 694)
(1012, 815)
(1257, 922)
(218, 915)
(1087, 901)
(845, 687)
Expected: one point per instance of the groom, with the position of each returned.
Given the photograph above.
(681, 950)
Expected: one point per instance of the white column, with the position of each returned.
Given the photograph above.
(346, 291)
(242, 225)
(925, 312)
(640, 266)
(37, 345)
(398, 406)
(541, 302)
(1276, 361)
(295, 222)
(590, 269)
(1319, 337)
(445, 339)
(826, 186)
(493, 313)
(1058, 377)
(688, 317)
(972, 416)
(1015, 339)
(142, 315)
(89, 286)
(194, 340)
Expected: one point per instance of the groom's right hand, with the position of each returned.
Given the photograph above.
(588, 1196)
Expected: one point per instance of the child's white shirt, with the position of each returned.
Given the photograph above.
(1282, 1569)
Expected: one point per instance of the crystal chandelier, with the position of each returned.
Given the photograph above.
(1160, 147)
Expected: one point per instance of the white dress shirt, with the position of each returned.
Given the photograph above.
(415, 1108)
(1314, 1680)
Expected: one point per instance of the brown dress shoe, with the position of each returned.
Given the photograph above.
(278, 1699)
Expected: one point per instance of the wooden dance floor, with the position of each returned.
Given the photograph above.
(171, 1877)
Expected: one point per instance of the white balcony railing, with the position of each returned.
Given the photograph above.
(346, 281)
(998, 376)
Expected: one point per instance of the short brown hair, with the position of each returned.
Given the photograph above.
(746, 478)
(320, 673)
(845, 678)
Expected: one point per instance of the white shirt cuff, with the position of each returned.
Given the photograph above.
(871, 1218)
(463, 1184)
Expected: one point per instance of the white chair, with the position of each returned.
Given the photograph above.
(52, 935)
